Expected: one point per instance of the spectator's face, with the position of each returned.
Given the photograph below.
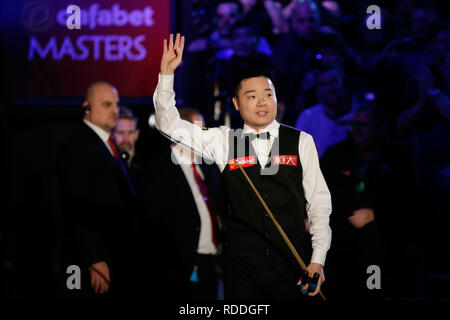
(305, 21)
(442, 44)
(244, 42)
(256, 102)
(104, 107)
(363, 128)
(329, 87)
(420, 21)
(125, 134)
(227, 14)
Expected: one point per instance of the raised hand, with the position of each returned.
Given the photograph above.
(172, 54)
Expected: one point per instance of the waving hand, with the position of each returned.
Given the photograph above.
(172, 54)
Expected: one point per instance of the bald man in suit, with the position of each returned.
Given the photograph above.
(99, 202)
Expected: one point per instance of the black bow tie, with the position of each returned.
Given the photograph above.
(264, 135)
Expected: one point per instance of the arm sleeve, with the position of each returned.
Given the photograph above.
(208, 143)
(318, 206)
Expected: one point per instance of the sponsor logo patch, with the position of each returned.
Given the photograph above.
(285, 160)
(244, 162)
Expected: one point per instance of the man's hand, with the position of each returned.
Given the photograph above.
(100, 279)
(313, 268)
(361, 217)
(172, 54)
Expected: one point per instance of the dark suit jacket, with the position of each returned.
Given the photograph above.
(99, 206)
(172, 216)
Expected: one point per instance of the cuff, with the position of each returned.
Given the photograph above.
(165, 81)
(319, 256)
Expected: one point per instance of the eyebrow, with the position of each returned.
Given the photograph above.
(249, 91)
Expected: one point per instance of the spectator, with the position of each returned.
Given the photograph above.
(125, 135)
(267, 14)
(327, 121)
(219, 42)
(187, 223)
(204, 56)
(307, 42)
(426, 122)
(371, 190)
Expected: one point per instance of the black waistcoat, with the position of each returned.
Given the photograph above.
(253, 238)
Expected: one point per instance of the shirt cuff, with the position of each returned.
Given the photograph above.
(166, 81)
(319, 256)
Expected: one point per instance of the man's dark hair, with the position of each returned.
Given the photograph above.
(245, 23)
(324, 67)
(378, 117)
(247, 73)
(126, 113)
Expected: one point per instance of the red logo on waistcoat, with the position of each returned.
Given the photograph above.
(244, 162)
(285, 160)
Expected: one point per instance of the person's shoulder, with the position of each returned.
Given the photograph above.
(312, 111)
(81, 140)
(76, 135)
(305, 136)
(75, 147)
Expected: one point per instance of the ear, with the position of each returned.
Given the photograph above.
(236, 103)
(86, 111)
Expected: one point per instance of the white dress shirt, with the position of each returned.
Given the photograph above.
(103, 135)
(212, 145)
(183, 158)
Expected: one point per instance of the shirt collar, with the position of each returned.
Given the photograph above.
(104, 135)
(272, 128)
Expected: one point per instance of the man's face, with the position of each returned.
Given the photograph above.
(442, 44)
(329, 87)
(363, 129)
(256, 102)
(305, 22)
(227, 14)
(125, 134)
(420, 21)
(244, 42)
(104, 107)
